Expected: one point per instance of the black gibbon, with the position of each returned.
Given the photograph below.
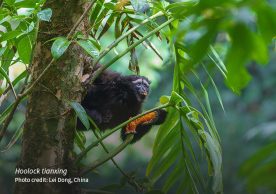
(114, 98)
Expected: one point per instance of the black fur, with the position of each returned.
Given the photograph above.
(114, 98)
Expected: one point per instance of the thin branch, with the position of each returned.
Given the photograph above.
(84, 152)
(29, 89)
(108, 156)
(70, 34)
(9, 118)
(123, 36)
(103, 67)
(130, 180)
(12, 88)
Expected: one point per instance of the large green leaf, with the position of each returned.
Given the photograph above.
(10, 35)
(261, 156)
(81, 113)
(266, 21)
(80, 140)
(45, 14)
(175, 98)
(6, 59)
(24, 49)
(179, 9)
(246, 46)
(59, 46)
(88, 47)
(17, 135)
(9, 2)
(163, 148)
(214, 155)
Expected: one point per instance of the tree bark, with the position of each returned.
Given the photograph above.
(49, 129)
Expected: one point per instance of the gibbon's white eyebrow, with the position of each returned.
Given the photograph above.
(141, 80)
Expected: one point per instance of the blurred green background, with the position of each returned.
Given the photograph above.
(246, 126)
(248, 123)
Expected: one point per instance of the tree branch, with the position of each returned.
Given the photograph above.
(9, 118)
(108, 156)
(123, 36)
(84, 152)
(103, 67)
(130, 180)
(70, 34)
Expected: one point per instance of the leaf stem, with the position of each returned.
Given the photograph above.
(84, 152)
(103, 67)
(70, 34)
(109, 155)
(130, 180)
(123, 36)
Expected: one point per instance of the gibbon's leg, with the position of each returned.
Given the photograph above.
(143, 124)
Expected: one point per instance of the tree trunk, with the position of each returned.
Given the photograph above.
(49, 129)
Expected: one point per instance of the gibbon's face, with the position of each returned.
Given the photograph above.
(141, 85)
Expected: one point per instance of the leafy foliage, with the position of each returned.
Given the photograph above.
(258, 169)
(191, 29)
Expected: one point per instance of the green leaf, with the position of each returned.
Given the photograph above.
(133, 62)
(117, 29)
(25, 4)
(257, 158)
(45, 14)
(172, 178)
(175, 98)
(88, 47)
(110, 5)
(201, 46)
(216, 90)
(10, 35)
(165, 133)
(95, 11)
(18, 133)
(98, 20)
(108, 24)
(7, 58)
(262, 177)
(164, 99)
(81, 113)
(24, 49)
(9, 2)
(237, 56)
(266, 21)
(4, 74)
(80, 140)
(6, 112)
(170, 122)
(218, 62)
(179, 9)
(213, 149)
(19, 77)
(140, 5)
(163, 147)
(59, 46)
(155, 192)
(166, 163)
